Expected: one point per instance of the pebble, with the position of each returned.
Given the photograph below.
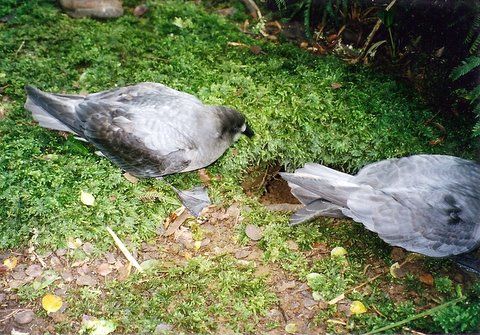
(24, 317)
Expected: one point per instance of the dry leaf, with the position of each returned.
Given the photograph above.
(74, 243)
(336, 86)
(175, 220)
(87, 198)
(394, 268)
(130, 178)
(338, 251)
(51, 303)
(357, 307)
(204, 177)
(426, 278)
(11, 262)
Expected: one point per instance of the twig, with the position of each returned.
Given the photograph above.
(20, 47)
(413, 331)
(124, 250)
(373, 32)
(342, 296)
(415, 317)
(39, 259)
(253, 9)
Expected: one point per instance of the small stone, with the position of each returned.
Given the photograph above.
(110, 258)
(24, 317)
(88, 247)
(163, 328)
(253, 232)
(140, 11)
(104, 269)
(61, 252)
(67, 276)
(242, 253)
(34, 270)
(86, 280)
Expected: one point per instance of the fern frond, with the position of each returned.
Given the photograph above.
(467, 65)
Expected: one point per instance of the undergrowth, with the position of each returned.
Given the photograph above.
(287, 97)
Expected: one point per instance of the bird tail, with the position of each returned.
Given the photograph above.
(52, 111)
(322, 190)
(315, 210)
(315, 181)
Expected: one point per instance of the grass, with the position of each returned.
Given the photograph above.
(287, 96)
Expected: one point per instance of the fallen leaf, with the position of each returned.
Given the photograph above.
(291, 328)
(357, 307)
(150, 264)
(51, 303)
(130, 178)
(204, 177)
(34, 270)
(255, 49)
(11, 262)
(317, 296)
(175, 220)
(426, 278)
(94, 326)
(86, 280)
(253, 232)
(394, 268)
(197, 245)
(336, 86)
(88, 248)
(338, 251)
(87, 198)
(74, 243)
(3, 270)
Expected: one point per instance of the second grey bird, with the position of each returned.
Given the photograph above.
(429, 204)
(148, 129)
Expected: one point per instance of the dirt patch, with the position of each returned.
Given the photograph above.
(268, 185)
(218, 236)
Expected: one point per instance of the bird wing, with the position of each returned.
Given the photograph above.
(148, 148)
(437, 222)
(415, 170)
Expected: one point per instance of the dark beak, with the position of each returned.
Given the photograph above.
(248, 131)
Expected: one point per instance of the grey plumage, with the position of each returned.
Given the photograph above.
(429, 204)
(148, 129)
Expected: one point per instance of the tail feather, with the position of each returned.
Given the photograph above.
(324, 172)
(335, 191)
(314, 210)
(52, 111)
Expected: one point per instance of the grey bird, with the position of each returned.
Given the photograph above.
(428, 204)
(148, 129)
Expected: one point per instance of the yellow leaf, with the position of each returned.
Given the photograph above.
(394, 270)
(74, 243)
(338, 251)
(87, 199)
(11, 262)
(357, 307)
(51, 303)
(291, 328)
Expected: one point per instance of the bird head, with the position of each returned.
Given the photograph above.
(233, 124)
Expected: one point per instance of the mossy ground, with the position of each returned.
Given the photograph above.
(288, 98)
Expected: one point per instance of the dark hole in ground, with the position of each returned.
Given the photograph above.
(269, 185)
